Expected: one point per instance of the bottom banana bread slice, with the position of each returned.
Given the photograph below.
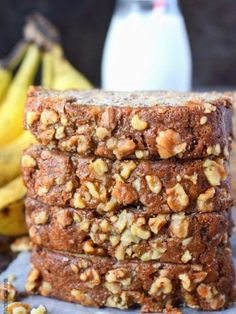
(102, 281)
(175, 238)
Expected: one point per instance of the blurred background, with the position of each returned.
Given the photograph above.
(83, 25)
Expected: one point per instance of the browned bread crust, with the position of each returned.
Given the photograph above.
(131, 125)
(99, 281)
(175, 238)
(102, 185)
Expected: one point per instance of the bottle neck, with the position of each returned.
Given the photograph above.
(169, 6)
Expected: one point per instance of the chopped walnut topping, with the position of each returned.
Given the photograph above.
(64, 121)
(138, 124)
(82, 297)
(204, 291)
(40, 218)
(122, 222)
(21, 244)
(28, 161)
(169, 144)
(192, 178)
(49, 117)
(120, 252)
(99, 167)
(124, 147)
(7, 292)
(124, 193)
(214, 150)
(128, 237)
(203, 200)
(203, 120)
(33, 280)
(199, 276)
(111, 143)
(137, 229)
(92, 189)
(82, 144)
(187, 241)
(64, 217)
(179, 225)
(214, 171)
(91, 276)
(74, 268)
(105, 226)
(60, 132)
(120, 302)
(39, 310)
(88, 247)
(161, 285)
(17, 308)
(114, 240)
(141, 154)
(127, 168)
(102, 133)
(186, 257)
(209, 108)
(154, 184)
(78, 202)
(68, 186)
(45, 288)
(156, 223)
(32, 117)
(114, 288)
(42, 190)
(137, 184)
(177, 198)
(186, 282)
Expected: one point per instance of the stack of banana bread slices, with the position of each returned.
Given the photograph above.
(129, 198)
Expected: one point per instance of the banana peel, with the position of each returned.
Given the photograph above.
(11, 110)
(10, 155)
(12, 220)
(65, 75)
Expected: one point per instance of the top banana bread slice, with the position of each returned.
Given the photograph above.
(142, 125)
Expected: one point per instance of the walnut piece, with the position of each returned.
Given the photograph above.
(99, 167)
(64, 217)
(17, 308)
(45, 288)
(124, 148)
(154, 184)
(124, 193)
(138, 229)
(177, 198)
(179, 225)
(102, 133)
(214, 171)
(28, 161)
(214, 150)
(169, 144)
(78, 202)
(39, 310)
(186, 257)
(49, 117)
(32, 117)
(91, 276)
(161, 285)
(138, 124)
(203, 201)
(82, 297)
(126, 168)
(40, 218)
(156, 223)
(203, 120)
(186, 282)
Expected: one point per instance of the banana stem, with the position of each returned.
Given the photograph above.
(15, 56)
(47, 69)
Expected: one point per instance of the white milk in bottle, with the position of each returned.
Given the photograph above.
(147, 47)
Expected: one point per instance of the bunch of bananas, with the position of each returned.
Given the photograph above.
(56, 73)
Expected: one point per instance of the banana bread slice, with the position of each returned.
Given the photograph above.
(171, 238)
(121, 125)
(103, 185)
(101, 281)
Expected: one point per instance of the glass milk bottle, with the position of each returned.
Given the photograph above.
(147, 47)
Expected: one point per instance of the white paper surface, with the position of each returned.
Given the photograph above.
(20, 268)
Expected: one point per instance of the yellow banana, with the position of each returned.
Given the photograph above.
(10, 155)
(12, 208)
(65, 75)
(8, 64)
(47, 69)
(11, 111)
(5, 80)
(12, 219)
